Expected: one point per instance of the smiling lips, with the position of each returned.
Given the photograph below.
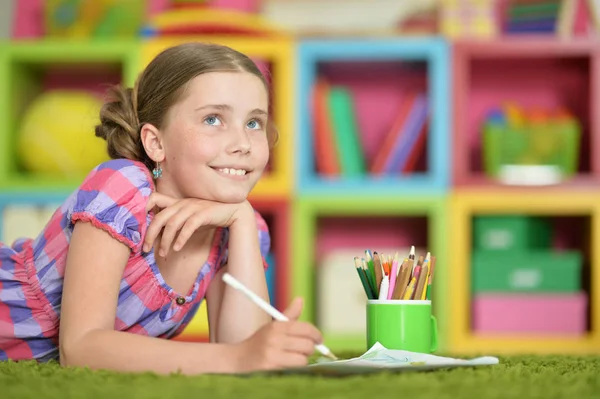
(232, 172)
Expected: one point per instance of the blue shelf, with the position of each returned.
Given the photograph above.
(435, 53)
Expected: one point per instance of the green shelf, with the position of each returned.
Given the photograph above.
(305, 214)
(23, 69)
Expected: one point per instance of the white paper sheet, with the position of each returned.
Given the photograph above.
(379, 358)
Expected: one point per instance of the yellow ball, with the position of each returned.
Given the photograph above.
(57, 134)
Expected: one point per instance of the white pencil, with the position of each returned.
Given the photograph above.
(277, 315)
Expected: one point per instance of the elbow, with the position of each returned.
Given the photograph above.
(63, 359)
(70, 350)
(65, 353)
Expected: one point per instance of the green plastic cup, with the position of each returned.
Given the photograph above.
(402, 324)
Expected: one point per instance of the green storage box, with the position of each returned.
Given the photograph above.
(535, 271)
(546, 144)
(511, 233)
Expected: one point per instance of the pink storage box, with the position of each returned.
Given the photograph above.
(535, 313)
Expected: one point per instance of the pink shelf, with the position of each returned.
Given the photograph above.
(374, 233)
(532, 72)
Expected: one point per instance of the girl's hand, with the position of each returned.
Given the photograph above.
(185, 216)
(280, 344)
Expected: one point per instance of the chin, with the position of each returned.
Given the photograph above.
(231, 197)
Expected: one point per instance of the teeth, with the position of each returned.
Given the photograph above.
(231, 171)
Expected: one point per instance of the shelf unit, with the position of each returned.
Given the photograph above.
(470, 202)
(26, 71)
(376, 101)
(310, 214)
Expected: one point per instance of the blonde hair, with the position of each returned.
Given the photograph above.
(158, 88)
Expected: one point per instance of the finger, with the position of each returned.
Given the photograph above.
(160, 200)
(305, 330)
(191, 225)
(157, 224)
(172, 227)
(294, 310)
(293, 359)
(301, 345)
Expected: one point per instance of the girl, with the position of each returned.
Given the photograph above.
(130, 255)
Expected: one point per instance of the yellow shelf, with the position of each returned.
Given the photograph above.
(464, 204)
(519, 344)
(279, 51)
(198, 326)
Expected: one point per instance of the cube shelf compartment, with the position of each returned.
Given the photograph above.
(330, 229)
(363, 67)
(277, 182)
(27, 69)
(538, 74)
(574, 240)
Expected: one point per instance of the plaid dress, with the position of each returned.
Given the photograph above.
(113, 198)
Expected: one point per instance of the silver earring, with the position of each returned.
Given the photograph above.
(157, 172)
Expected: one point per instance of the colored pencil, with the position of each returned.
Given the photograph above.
(393, 275)
(383, 277)
(362, 276)
(371, 269)
(430, 279)
(378, 271)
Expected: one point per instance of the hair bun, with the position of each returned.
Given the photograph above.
(119, 124)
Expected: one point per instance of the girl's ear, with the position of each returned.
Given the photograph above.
(152, 141)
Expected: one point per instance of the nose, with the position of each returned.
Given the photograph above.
(240, 142)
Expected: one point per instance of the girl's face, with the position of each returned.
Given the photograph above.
(215, 141)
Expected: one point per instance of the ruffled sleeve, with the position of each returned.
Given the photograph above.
(113, 197)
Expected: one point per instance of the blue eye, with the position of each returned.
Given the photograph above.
(254, 124)
(212, 120)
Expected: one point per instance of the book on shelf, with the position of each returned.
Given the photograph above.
(338, 144)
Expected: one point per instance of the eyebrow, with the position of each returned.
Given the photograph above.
(226, 107)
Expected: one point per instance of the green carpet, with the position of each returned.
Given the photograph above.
(521, 377)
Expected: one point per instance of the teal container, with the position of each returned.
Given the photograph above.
(534, 271)
(511, 233)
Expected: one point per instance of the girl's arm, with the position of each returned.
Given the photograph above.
(238, 318)
(95, 265)
(214, 299)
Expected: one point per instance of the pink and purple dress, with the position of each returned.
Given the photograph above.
(113, 197)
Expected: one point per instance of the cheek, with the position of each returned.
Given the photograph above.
(261, 151)
(192, 151)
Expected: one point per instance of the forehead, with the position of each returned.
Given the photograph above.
(237, 89)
